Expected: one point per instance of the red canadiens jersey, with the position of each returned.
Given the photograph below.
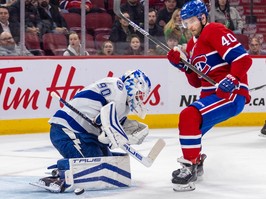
(67, 4)
(216, 53)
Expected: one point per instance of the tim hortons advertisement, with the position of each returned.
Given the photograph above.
(26, 85)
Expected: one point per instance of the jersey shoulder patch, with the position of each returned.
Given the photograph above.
(120, 84)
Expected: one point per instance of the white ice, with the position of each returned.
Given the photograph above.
(235, 167)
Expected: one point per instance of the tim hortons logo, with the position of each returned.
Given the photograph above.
(13, 96)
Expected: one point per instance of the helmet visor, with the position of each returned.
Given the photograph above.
(190, 22)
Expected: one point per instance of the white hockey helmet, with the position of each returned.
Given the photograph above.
(138, 87)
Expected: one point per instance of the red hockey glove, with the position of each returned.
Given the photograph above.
(174, 58)
(227, 86)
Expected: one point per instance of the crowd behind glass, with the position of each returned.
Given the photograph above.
(59, 27)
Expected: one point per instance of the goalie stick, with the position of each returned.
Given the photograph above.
(118, 12)
(146, 161)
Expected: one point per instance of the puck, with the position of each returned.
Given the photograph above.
(79, 191)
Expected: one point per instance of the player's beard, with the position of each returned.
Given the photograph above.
(198, 31)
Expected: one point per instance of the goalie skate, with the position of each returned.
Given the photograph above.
(51, 184)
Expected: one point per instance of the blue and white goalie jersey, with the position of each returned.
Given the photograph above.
(89, 101)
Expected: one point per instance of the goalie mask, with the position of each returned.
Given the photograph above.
(138, 87)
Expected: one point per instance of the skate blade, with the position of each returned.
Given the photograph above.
(262, 135)
(184, 187)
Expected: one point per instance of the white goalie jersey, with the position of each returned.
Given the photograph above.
(89, 101)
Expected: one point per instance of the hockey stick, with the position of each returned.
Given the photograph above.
(257, 88)
(55, 95)
(146, 161)
(118, 12)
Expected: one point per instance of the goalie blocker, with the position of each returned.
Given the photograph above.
(88, 173)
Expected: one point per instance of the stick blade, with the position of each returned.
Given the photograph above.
(156, 150)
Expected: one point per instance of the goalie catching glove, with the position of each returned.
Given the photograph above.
(113, 133)
(136, 131)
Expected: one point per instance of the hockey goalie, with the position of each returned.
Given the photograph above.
(86, 144)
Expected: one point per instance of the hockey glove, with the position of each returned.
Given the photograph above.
(136, 131)
(226, 86)
(174, 58)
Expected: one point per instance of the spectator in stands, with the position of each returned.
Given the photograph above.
(255, 47)
(8, 46)
(154, 29)
(74, 6)
(208, 4)
(229, 16)
(174, 26)
(32, 19)
(9, 26)
(159, 4)
(52, 20)
(107, 48)
(135, 47)
(165, 14)
(121, 33)
(74, 47)
(7, 3)
(135, 10)
(171, 41)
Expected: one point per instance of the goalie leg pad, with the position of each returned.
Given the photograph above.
(96, 173)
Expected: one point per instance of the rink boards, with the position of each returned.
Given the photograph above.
(26, 84)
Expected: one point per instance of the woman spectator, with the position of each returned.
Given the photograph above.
(174, 26)
(228, 16)
(135, 47)
(74, 47)
(121, 33)
(107, 48)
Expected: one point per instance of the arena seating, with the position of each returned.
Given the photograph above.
(98, 21)
(32, 43)
(256, 24)
(54, 43)
(73, 21)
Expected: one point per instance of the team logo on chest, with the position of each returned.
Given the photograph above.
(200, 62)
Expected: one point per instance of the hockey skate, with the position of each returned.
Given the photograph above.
(52, 184)
(183, 179)
(263, 130)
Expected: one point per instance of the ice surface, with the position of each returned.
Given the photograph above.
(234, 168)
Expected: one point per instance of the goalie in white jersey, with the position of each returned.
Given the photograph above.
(75, 137)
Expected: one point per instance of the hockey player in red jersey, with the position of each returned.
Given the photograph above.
(215, 51)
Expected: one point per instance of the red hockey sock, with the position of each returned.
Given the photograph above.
(190, 134)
